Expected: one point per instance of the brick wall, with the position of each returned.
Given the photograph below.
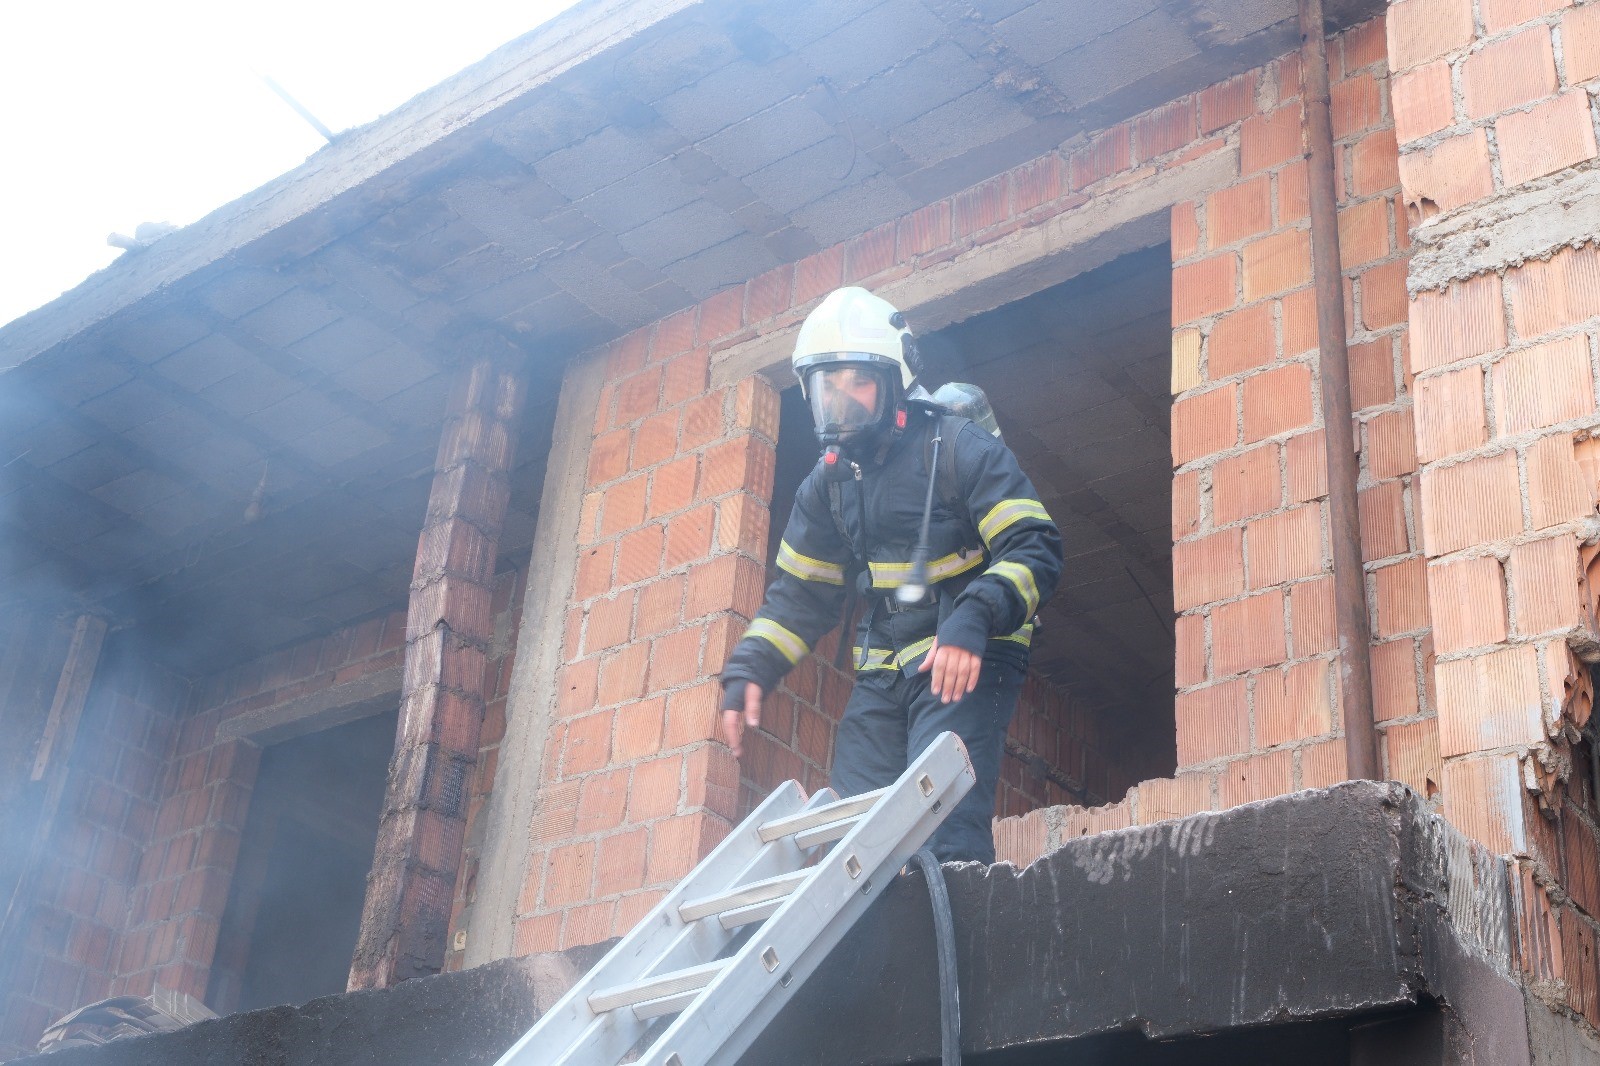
(674, 533)
(1491, 98)
(1258, 700)
(80, 899)
(184, 875)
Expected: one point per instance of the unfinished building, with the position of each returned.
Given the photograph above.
(369, 548)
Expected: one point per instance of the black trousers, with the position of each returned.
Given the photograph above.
(890, 719)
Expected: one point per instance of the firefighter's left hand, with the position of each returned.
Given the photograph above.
(955, 671)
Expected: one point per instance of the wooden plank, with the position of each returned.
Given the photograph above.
(72, 692)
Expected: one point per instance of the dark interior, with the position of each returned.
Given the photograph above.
(292, 918)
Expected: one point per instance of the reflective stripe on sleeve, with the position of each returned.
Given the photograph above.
(1021, 579)
(1007, 513)
(1023, 636)
(808, 569)
(789, 645)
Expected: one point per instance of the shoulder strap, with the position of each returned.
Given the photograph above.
(836, 509)
(947, 480)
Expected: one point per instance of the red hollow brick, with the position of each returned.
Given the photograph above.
(1203, 423)
(608, 457)
(672, 486)
(1212, 722)
(720, 315)
(869, 254)
(1284, 546)
(1107, 154)
(1490, 700)
(1560, 291)
(1547, 585)
(1420, 30)
(1552, 136)
(1375, 166)
(1293, 703)
(1371, 374)
(1276, 263)
(1241, 340)
(769, 293)
(1276, 401)
(1227, 102)
(1450, 416)
(1185, 504)
(1239, 211)
(1165, 129)
(1467, 603)
(979, 207)
(1559, 488)
(1475, 502)
(1190, 639)
(1248, 633)
(1394, 680)
(1447, 175)
(1580, 43)
(1357, 105)
(1463, 320)
(1267, 140)
(1412, 753)
(1543, 385)
(686, 376)
(1256, 778)
(1185, 237)
(1503, 14)
(1306, 463)
(1402, 597)
(1294, 192)
(818, 274)
(1311, 616)
(1384, 301)
(1208, 569)
(1363, 232)
(1246, 484)
(1203, 288)
(1504, 74)
(1382, 515)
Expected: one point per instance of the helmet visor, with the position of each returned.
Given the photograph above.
(847, 400)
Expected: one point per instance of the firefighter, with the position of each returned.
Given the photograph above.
(929, 517)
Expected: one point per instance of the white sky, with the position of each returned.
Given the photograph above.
(117, 113)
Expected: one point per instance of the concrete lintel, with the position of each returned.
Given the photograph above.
(1018, 265)
(531, 698)
(335, 705)
(1507, 230)
(353, 159)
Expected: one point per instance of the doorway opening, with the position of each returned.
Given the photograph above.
(294, 910)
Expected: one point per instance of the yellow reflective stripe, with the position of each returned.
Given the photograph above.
(1023, 636)
(877, 659)
(1021, 579)
(911, 652)
(789, 645)
(808, 569)
(893, 575)
(1007, 513)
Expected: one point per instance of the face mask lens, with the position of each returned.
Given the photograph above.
(845, 400)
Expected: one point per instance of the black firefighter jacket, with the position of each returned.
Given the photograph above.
(996, 556)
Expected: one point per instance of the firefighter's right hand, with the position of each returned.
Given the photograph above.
(734, 723)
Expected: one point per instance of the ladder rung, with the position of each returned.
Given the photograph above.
(656, 1008)
(833, 812)
(756, 912)
(824, 834)
(689, 979)
(754, 892)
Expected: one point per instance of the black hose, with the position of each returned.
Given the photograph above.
(944, 936)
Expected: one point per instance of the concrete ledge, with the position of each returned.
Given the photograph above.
(1531, 222)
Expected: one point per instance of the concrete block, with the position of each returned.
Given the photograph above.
(749, 145)
(979, 118)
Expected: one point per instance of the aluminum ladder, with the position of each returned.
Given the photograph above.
(763, 872)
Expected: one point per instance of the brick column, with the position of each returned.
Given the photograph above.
(449, 629)
(1493, 102)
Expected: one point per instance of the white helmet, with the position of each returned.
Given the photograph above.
(856, 361)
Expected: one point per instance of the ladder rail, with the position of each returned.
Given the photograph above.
(721, 1023)
(570, 1024)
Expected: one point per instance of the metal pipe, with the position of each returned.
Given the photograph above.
(1349, 575)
